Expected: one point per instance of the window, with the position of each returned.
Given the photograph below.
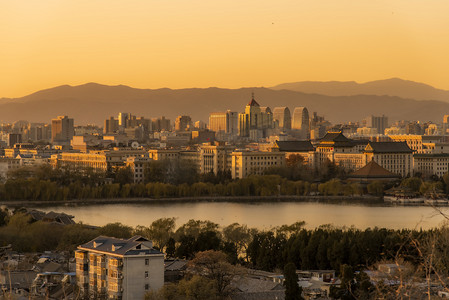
(146, 274)
(147, 261)
(147, 287)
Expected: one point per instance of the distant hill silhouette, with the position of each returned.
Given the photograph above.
(391, 87)
(92, 103)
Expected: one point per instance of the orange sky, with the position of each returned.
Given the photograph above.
(224, 43)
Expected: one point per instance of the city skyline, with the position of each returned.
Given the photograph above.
(228, 44)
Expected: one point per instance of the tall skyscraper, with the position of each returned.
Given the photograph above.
(255, 121)
(300, 122)
(62, 129)
(283, 116)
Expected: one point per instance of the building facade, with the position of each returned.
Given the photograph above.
(283, 116)
(300, 123)
(62, 130)
(215, 158)
(119, 269)
(396, 157)
(245, 163)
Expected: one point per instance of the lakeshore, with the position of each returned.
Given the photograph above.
(367, 199)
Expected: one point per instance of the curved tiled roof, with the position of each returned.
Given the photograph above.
(373, 170)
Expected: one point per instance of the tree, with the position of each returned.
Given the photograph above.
(116, 230)
(191, 288)
(161, 230)
(376, 188)
(123, 175)
(214, 265)
(292, 289)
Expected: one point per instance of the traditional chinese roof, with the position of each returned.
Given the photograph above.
(335, 139)
(294, 146)
(388, 147)
(373, 170)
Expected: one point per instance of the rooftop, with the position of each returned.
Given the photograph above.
(136, 245)
(388, 147)
(295, 146)
(373, 170)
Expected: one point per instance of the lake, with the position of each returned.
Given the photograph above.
(259, 215)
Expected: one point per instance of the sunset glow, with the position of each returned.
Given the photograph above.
(180, 44)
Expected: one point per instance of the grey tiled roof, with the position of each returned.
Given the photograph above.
(389, 147)
(294, 146)
(118, 246)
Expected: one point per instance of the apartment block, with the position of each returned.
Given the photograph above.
(114, 268)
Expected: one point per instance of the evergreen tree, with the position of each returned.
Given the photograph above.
(292, 289)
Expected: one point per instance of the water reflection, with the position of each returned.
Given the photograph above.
(259, 215)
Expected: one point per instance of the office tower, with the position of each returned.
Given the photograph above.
(283, 116)
(254, 122)
(62, 129)
(300, 122)
(224, 122)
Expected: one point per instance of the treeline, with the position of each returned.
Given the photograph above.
(163, 179)
(180, 179)
(325, 247)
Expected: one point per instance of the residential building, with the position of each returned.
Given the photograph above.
(114, 268)
(245, 163)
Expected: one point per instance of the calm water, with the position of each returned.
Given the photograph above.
(259, 215)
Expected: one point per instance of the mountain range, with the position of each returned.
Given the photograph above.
(91, 103)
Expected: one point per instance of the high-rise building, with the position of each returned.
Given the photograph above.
(110, 125)
(380, 123)
(255, 121)
(14, 138)
(183, 123)
(226, 122)
(160, 124)
(300, 122)
(62, 129)
(123, 119)
(283, 116)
